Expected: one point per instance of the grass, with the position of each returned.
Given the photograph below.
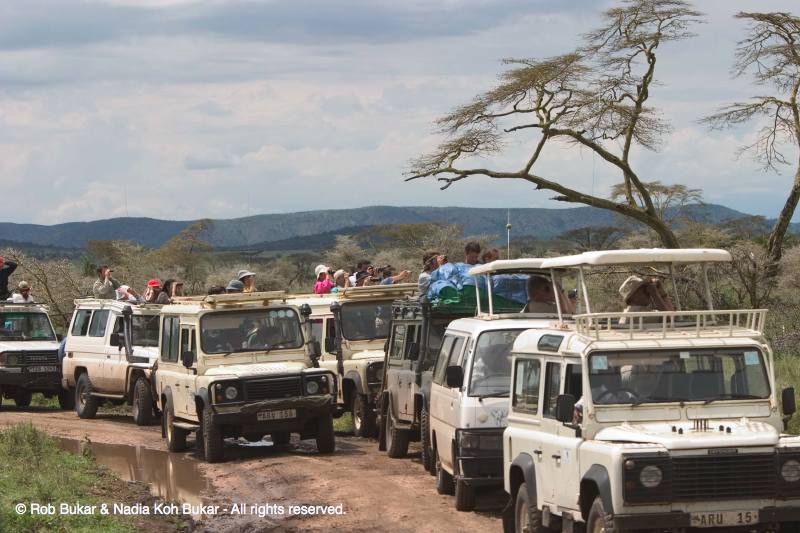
(343, 424)
(39, 400)
(34, 469)
(787, 374)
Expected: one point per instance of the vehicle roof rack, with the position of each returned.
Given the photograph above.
(394, 290)
(109, 301)
(510, 266)
(213, 301)
(640, 256)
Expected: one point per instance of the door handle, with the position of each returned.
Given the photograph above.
(556, 457)
(537, 453)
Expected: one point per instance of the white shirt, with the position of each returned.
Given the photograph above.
(17, 298)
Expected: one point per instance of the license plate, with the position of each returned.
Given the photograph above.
(41, 369)
(279, 414)
(724, 518)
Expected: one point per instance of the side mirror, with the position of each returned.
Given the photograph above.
(116, 340)
(187, 358)
(412, 351)
(330, 344)
(788, 401)
(565, 407)
(454, 377)
(314, 350)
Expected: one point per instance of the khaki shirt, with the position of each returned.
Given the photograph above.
(541, 307)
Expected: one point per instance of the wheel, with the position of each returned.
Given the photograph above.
(142, 402)
(465, 496)
(363, 418)
(66, 399)
(23, 397)
(212, 441)
(397, 439)
(599, 521)
(281, 438)
(444, 481)
(382, 433)
(427, 453)
(326, 442)
(85, 404)
(176, 437)
(527, 517)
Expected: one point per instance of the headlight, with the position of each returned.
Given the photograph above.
(312, 387)
(227, 392)
(231, 392)
(651, 476)
(12, 359)
(480, 441)
(790, 471)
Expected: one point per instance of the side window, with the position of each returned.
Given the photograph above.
(572, 381)
(527, 380)
(552, 386)
(188, 343)
(97, 328)
(442, 359)
(170, 339)
(457, 354)
(398, 341)
(412, 335)
(80, 324)
(316, 329)
(330, 327)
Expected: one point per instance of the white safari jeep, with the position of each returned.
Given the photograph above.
(29, 355)
(354, 325)
(670, 421)
(100, 366)
(239, 365)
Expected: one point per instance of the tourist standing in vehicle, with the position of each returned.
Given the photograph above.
(361, 266)
(127, 294)
(490, 255)
(248, 279)
(341, 281)
(6, 268)
(641, 295)
(234, 287)
(324, 283)
(388, 278)
(152, 291)
(171, 289)
(472, 253)
(542, 299)
(23, 294)
(429, 264)
(105, 285)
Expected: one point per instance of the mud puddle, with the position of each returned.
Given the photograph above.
(171, 477)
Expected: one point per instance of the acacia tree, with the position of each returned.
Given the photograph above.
(771, 54)
(595, 97)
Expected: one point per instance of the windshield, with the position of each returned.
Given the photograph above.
(250, 331)
(491, 363)
(366, 320)
(672, 376)
(26, 327)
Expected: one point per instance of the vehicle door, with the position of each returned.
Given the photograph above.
(524, 435)
(76, 347)
(552, 454)
(169, 374)
(115, 365)
(446, 404)
(96, 350)
(188, 376)
(567, 442)
(394, 377)
(407, 373)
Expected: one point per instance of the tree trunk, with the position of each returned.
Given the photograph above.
(775, 245)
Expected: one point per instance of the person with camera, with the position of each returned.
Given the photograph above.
(324, 282)
(6, 269)
(105, 286)
(644, 294)
(388, 278)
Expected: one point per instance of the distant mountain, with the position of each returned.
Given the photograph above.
(255, 232)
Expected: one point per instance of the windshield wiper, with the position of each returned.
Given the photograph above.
(640, 401)
(733, 396)
(493, 395)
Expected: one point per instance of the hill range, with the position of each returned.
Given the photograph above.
(309, 229)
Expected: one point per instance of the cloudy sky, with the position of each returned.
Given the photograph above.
(222, 108)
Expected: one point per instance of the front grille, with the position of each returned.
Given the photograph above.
(741, 476)
(36, 358)
(273, 389)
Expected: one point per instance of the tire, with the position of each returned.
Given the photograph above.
(66, 399)
(142, 402)
(212, 441)
(363, 417)
(428, 462)
(281, 438)
(598, 520)
(527, 517)
(23, 397)
(382, 433)
(444, 481)
(85, 404)
(397, 439)
(176, 437)
(326, 441)
(465, 496)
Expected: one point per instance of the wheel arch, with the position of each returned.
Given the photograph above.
(522, 470)
(595, 482)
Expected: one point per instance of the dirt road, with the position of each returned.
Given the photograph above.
(376, 493)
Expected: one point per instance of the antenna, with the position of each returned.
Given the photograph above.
(125, 194)
(508, 234)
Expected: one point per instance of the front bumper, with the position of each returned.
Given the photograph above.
(34, 381)
(246, 415)
(481, 471)
(766, 516)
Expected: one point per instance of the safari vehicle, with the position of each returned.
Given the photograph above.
(29, 355)
(240, 365)
(354, 325)
(99, 366)
(470, 386)
(670, 421)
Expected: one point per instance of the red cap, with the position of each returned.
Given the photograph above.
(154, 283)
(2, 259)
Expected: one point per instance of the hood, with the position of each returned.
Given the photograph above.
(743, 433)
(491, 413)
(28, 346)
(151, 352)
(368, 354)
(251, 370)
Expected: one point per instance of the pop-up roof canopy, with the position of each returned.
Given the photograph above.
(508, 266)
(640, 256)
